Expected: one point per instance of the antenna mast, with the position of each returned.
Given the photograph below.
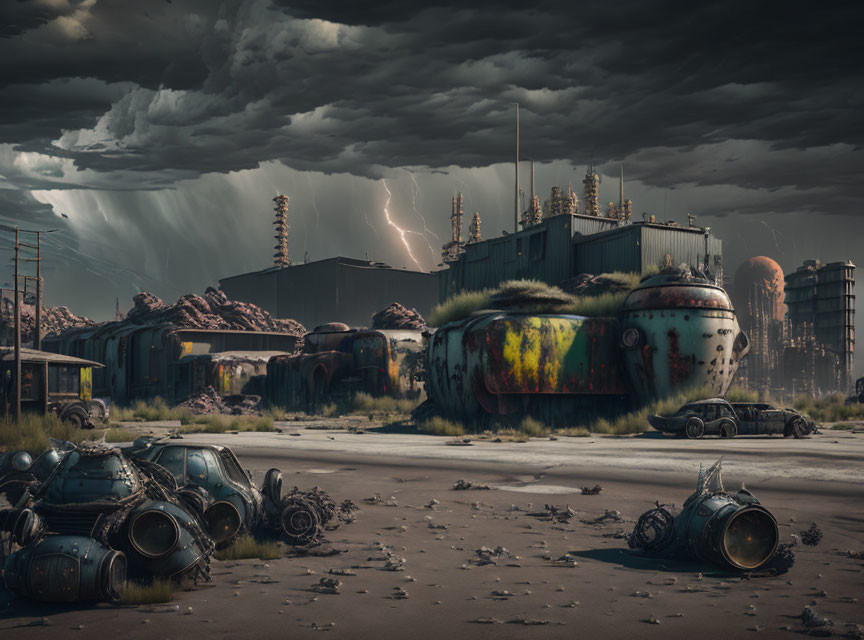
(516, 204)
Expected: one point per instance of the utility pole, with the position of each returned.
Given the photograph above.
(37, 338)
(16, 404)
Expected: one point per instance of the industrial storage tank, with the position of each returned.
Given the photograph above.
(679, 332)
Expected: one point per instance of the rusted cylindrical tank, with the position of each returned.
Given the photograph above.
(759, 283)
(517, 363)
(679, 332)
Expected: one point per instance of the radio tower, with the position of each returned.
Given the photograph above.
(280, 258)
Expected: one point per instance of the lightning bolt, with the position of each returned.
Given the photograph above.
(402, 233)
(415, 191)
(773, 235)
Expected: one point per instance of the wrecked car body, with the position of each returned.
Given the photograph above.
(732, 530)
(337, 361)
(717, 416)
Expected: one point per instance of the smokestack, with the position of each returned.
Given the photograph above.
(621, 191)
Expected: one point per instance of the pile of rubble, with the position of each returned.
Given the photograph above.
(54, 320)
(213, 310)
(398, 317)
(208, 401)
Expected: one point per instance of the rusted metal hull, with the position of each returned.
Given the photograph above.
(510, 363)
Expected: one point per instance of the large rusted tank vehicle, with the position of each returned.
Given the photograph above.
(337, 362)
(673, 332)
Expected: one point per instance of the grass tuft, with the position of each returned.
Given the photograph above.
(151, 410)
(829, 408)
(246, 547)
(119, 435)
(441, 427)
(158, 591)
(217, 423)
(32, 433)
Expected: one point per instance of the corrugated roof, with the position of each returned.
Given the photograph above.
(7, 354)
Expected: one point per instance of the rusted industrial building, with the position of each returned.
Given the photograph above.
(565, 245)
(334, 290)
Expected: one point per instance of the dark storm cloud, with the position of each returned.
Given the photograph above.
(184, 88)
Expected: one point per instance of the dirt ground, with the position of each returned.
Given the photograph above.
(610, 592)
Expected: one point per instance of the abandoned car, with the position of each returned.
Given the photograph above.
(717, 416)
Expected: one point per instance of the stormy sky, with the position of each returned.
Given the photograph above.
(152, 135)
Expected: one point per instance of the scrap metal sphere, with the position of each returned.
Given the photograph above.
(22, 461)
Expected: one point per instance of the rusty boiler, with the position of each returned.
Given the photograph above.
(679, 332)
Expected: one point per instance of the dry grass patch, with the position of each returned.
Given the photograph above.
(246, 547)
(156, 592)
(217, 423)
(441, 427)
(119, 435)
(32, 433)
(151, 410)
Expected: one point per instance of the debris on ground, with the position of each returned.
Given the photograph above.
(568, 560)
(327, 585)
(487, 555)
(399, 593)
(857, 555)
(811, 537)
(592, 491)
(487, 621)
(529, 622)
(553, 513)
(465, 485)
(609, 515)
(783, 559)
(397, 316)
(811, 618)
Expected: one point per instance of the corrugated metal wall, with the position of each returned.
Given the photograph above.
(682, 245)
(617, 250)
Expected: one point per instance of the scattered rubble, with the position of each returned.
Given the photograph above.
(327, 585)
(465, 485)
(54, 320)
(812, 536)
(592, 491)
(811, 618)
(486, 555)
(397, 316)
(208, 401)
(609, 515)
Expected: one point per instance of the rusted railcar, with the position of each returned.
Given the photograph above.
(337, 362)
(143, 361)
(673, 332)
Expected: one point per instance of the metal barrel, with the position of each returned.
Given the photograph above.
(66, 569)
(720, 529)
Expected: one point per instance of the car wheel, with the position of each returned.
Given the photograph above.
(694, 428)
(728, 429)
(272, 487)
(796, 428)
(76, 418)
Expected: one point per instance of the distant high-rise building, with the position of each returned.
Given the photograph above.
(821, 302)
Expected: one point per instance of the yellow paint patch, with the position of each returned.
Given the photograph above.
(186, 348)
